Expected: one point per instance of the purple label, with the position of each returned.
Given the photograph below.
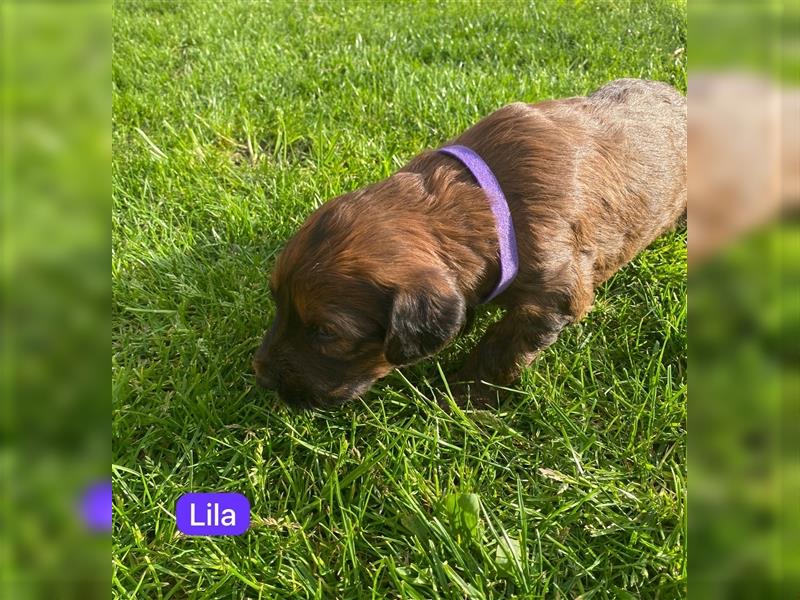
(96, 506)
(218, 513)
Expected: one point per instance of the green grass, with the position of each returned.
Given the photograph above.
(231, 123)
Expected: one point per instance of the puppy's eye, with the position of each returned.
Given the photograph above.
(324, 333)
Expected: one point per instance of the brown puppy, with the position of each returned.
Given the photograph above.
(384, 276)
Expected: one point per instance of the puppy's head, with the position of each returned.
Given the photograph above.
(357, 292)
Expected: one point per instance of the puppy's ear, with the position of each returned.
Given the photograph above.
(422, 320)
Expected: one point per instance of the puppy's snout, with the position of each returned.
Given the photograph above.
(266, 380)
(264, 369)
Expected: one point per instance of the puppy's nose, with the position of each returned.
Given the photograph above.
(266, 381)
(264, 375)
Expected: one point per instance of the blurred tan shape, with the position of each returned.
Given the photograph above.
(744, 158)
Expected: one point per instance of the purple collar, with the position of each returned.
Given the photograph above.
(507, 241)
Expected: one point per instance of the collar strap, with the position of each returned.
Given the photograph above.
(507, 240)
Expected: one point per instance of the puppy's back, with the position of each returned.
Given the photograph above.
(651, 118)
(641, 143)
(641, 92)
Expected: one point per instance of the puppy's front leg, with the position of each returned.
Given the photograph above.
(506, 348)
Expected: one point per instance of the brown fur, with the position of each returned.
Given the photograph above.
(384, 276)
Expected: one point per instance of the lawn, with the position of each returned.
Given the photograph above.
(231, 123)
